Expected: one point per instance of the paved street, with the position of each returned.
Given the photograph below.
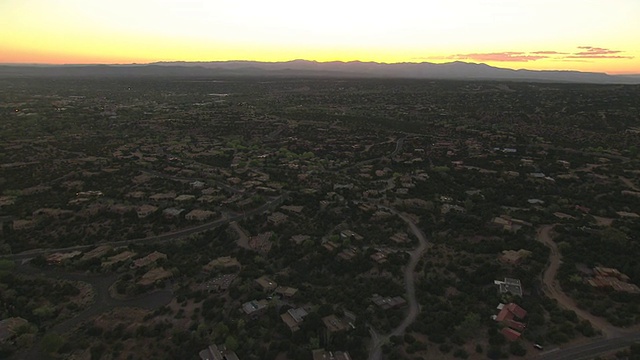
(590, 350)
(226, 218)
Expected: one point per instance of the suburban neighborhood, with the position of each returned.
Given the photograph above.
(316, 219)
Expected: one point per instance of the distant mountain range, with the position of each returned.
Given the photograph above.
(302, 68)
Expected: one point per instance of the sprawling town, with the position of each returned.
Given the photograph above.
(259, 218)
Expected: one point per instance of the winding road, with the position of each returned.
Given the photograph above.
(226, 218)
(378, 340)
(614, 338)
(552, 289)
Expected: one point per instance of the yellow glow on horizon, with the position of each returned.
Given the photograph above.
(141, 31)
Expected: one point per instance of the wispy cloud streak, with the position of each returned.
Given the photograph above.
(585, 53)
(500, 56)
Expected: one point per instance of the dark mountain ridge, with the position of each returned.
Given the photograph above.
(303, 68)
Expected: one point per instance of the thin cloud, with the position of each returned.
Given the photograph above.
(578, 56)
(584, 54)
(507, 56)
(549, 52)
(590, 50)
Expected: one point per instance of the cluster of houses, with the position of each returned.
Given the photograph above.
(604, 277)
(507, 223)
(294, 317)
(256, 308)
(511, 316)
(154, 273)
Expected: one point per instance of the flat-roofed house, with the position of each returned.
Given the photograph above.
(509, 285)
(294, 318)
(265, 284)
(199, 215)
(255, 308)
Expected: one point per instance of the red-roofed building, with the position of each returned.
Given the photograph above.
(507, 315)
(504, 315)
(517, 325)
(510, 334)
(516, 310)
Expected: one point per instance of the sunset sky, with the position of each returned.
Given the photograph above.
(586, 35)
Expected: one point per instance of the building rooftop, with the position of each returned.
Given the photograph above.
(154, 275)
(286, 291)
(219, 283)
(224, 261)
(388, 302)
(334, 324)
(125, 255)
(253, 306)
(509, 311)
(510, 334)
(348, 234)
(293, 208)
(277, 218)
(60, 257)
(297, 314)
(261, 243)
(266, 283)
(215, 352)
(509, 285)
(294, 317)
(322, 354)
(613, 278)
(96, 253)
(151, 258)
(299, 239)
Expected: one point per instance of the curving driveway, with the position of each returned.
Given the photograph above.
(553, 290)
(378, 340)
(614, 338)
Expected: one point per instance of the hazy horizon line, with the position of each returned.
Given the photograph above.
(307, 60)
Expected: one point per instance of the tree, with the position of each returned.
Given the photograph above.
(516, 349)
(494, 352)
(51, 343)
(231, 343)
(469, 325)
(461, 353)
(45, 311)
(613, 235)
(6, 265)
(220, 330)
